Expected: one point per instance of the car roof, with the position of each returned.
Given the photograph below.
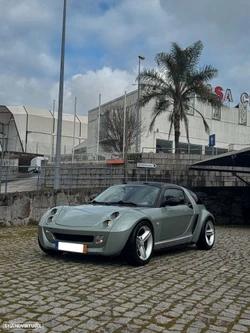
(158, 184)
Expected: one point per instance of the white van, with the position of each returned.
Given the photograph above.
(36, 163)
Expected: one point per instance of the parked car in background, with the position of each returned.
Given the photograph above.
(133, 219)
(36, 163)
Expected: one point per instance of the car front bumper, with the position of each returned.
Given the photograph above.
(112, 242)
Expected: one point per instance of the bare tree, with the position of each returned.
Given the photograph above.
(112, 128)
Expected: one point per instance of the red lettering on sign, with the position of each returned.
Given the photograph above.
(218, 90)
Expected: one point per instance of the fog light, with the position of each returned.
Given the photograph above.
(49, 236)
(99, 239)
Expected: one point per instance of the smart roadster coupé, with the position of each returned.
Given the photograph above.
(131, 219)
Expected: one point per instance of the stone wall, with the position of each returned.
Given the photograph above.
(230, 205)
(27, 207)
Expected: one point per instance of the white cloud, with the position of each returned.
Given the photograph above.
(17, 90)
(102, 46)
(87, 87)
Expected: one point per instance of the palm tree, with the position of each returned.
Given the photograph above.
(178, 80)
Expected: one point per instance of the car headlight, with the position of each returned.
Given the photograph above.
(114, 215)
(50, 219)
(51, 215)
(54, 211)
(107, 223)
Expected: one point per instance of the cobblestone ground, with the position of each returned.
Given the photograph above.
(179, 291)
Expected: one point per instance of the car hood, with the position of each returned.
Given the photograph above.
(87, 215)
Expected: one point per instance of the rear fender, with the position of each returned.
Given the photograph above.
(203, 217)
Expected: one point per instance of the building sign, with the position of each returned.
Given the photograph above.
(227, 95)
(242, 113)
(245, 98)
(220, 92)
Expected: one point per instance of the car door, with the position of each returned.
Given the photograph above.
(175, 219)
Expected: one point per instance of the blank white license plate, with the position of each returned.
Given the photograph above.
(71, 247)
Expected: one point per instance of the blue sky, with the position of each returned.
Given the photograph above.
(103, 41)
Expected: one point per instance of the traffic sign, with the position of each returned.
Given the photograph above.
(212, 140)
(146, 165)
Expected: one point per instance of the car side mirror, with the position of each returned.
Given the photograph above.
(171, 202)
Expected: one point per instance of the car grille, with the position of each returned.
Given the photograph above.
(74, 238)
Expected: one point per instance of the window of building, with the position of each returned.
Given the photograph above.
(215, 151)
(186, 148)
(163, 146)
(195, 149)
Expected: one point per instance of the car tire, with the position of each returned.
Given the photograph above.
(140, 245)
(207, 236)
(48, 251)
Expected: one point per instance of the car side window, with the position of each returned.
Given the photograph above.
(175, 194)
(196, 198)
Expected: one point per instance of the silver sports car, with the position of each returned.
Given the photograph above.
(130, 219)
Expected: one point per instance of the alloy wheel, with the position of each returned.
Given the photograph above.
(144, 243)
(209, 233)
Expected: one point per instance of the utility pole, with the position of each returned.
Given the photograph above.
(60, 105)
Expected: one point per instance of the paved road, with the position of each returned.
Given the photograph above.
(179, 291)
(24, 184)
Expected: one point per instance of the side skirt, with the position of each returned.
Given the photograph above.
(173, 242)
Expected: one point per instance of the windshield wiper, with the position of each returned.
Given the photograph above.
(100, 203)
(129, 203)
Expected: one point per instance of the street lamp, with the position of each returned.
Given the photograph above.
(53, 130)
(74, 129)
(98, 126)
(60, 105)
(138, 106)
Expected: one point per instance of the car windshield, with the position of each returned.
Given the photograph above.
(134, 195)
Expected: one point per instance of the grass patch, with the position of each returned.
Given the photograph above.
(18, 232)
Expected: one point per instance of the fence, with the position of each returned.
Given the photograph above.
(17, 179)
(186, 148)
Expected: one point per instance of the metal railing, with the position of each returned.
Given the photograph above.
(187, 149)
(17, 179)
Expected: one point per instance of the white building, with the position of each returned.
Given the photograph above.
(30, 130)
(230, 125)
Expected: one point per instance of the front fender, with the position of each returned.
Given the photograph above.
(121, 230)
(46, 215)
(128, 220)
